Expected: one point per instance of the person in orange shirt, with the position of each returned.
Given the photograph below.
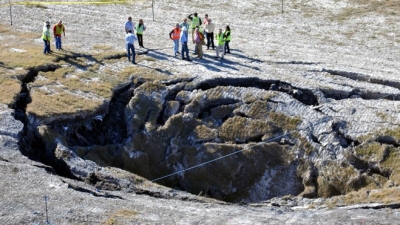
(58, 29)
(174, 35)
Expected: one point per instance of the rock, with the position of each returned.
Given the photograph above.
(10, 133)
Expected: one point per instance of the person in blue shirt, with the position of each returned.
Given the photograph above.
(129, 25)
(184, 42)
(130, 38)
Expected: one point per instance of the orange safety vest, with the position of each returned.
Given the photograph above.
(58, 29)
(176, 34)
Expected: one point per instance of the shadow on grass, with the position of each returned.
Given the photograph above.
(215, 64)
(209, 60)
(71, 58)
(155, 53)
(5, 66)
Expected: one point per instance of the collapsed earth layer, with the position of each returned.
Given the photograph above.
(271, 139)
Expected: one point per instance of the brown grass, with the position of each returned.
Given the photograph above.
(122, 214)
(145, 73)
(45, 105)
(384, 196)
(360, 8)
(102, 47)
(61, 91)
(9, 89)
(288, 123)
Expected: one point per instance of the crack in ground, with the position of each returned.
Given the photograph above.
(367, 78)
(94, 193)
(305, 96)
(297, 63)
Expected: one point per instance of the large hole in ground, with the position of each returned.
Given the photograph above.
(224, 139)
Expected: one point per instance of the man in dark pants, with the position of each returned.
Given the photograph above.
(184, 38)
(210, 34)
(227, 37)
(130, 48)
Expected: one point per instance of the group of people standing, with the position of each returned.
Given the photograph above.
(58, 31)
(130, 38)
(201, 31)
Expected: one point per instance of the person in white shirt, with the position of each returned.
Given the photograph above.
(209, 28)
(130, 38)
(129, 25)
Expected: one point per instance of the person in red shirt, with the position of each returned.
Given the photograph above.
(174, 35)
(58, 29)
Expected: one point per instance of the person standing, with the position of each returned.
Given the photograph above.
(44, 28)
(184, 40)
(221, 44)
(46, 36)
(129, 25)
(195, 22)
(175, 35)
(140, 27)
(58, 29)
(205, 21)
(227, 37)
(184, 24)
(130, 48)
(197, 40)
(210, 34)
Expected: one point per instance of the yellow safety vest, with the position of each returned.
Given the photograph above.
(139, 30)
(228, 38)
(195, 22)
(59, 29)
(46, 34)
(220, 39)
